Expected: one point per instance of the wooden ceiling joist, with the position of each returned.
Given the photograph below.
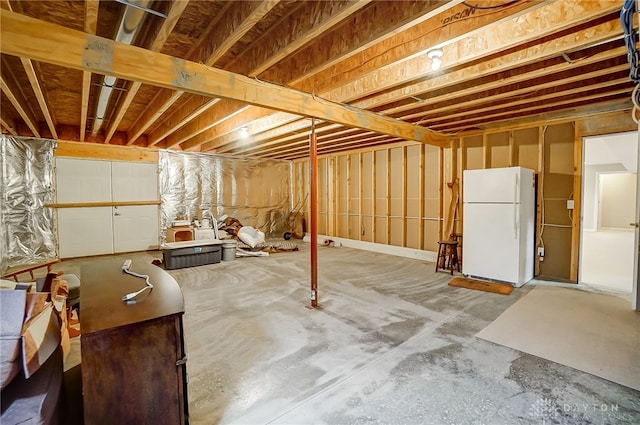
(235, 22)
(390, 75)
(500, 38)
(12, 91)
(40, 96)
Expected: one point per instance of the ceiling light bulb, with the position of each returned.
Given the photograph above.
(436, 58)
(244, 132)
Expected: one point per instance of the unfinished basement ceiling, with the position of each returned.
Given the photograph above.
(354, 66)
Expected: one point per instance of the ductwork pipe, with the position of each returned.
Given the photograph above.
(129, 25)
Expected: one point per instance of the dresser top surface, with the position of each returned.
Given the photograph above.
(104, 284)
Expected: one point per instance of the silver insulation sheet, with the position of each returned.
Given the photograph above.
(255, 191)
(27, 234)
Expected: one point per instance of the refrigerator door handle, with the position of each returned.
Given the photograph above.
(515, 206)
(515, 221)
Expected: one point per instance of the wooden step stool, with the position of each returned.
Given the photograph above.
(447, 256)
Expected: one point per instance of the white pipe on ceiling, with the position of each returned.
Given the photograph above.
(129, 25)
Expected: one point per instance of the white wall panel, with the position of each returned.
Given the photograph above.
(82, 180)
(134, 181)
(85, 231)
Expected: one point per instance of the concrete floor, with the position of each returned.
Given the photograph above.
(393, 344)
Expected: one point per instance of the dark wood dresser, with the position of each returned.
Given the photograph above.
(133, 355)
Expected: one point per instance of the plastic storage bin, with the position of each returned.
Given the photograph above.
(179, 255)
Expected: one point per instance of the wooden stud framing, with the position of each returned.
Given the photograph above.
(441, 192)
(421, 193)
(404, 196)
(388, 193)
(374, 197)
(348, 194)
(361, 199)
(539, 206)
(577, 200)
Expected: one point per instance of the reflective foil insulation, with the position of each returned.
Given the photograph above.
(193, 186)
(27, 234)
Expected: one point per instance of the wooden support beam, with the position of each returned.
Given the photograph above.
(74, 149)
(27, 37)
(40, 96)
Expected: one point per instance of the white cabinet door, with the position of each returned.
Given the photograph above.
(85, 231)
(134, 181)
(135, 228)
(82, 180)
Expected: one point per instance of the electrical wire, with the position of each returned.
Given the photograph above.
(131, 296)
(633, 56)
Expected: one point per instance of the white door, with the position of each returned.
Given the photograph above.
(84, 231)
(491, 245)
(135, 228)
(608, 211)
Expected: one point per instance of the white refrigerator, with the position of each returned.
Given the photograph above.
(499, 216)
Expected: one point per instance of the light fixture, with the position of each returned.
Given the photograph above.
(244, 132)
(436, 58)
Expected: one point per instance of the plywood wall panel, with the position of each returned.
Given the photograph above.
(343, 225)
(396, 231)
(367, 226)
(354, 183)
(526, 147)
(343, 184)
(413, 181)
(354, 227)
(396, 175)
(557, 253)
(558, 160)
(381, 230)
(413, 234)
(498, 145)
(322, 224)
(431, 229)
(381, 175)
(367, 183)
(474, 152)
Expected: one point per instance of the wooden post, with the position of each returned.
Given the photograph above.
(313, 200)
